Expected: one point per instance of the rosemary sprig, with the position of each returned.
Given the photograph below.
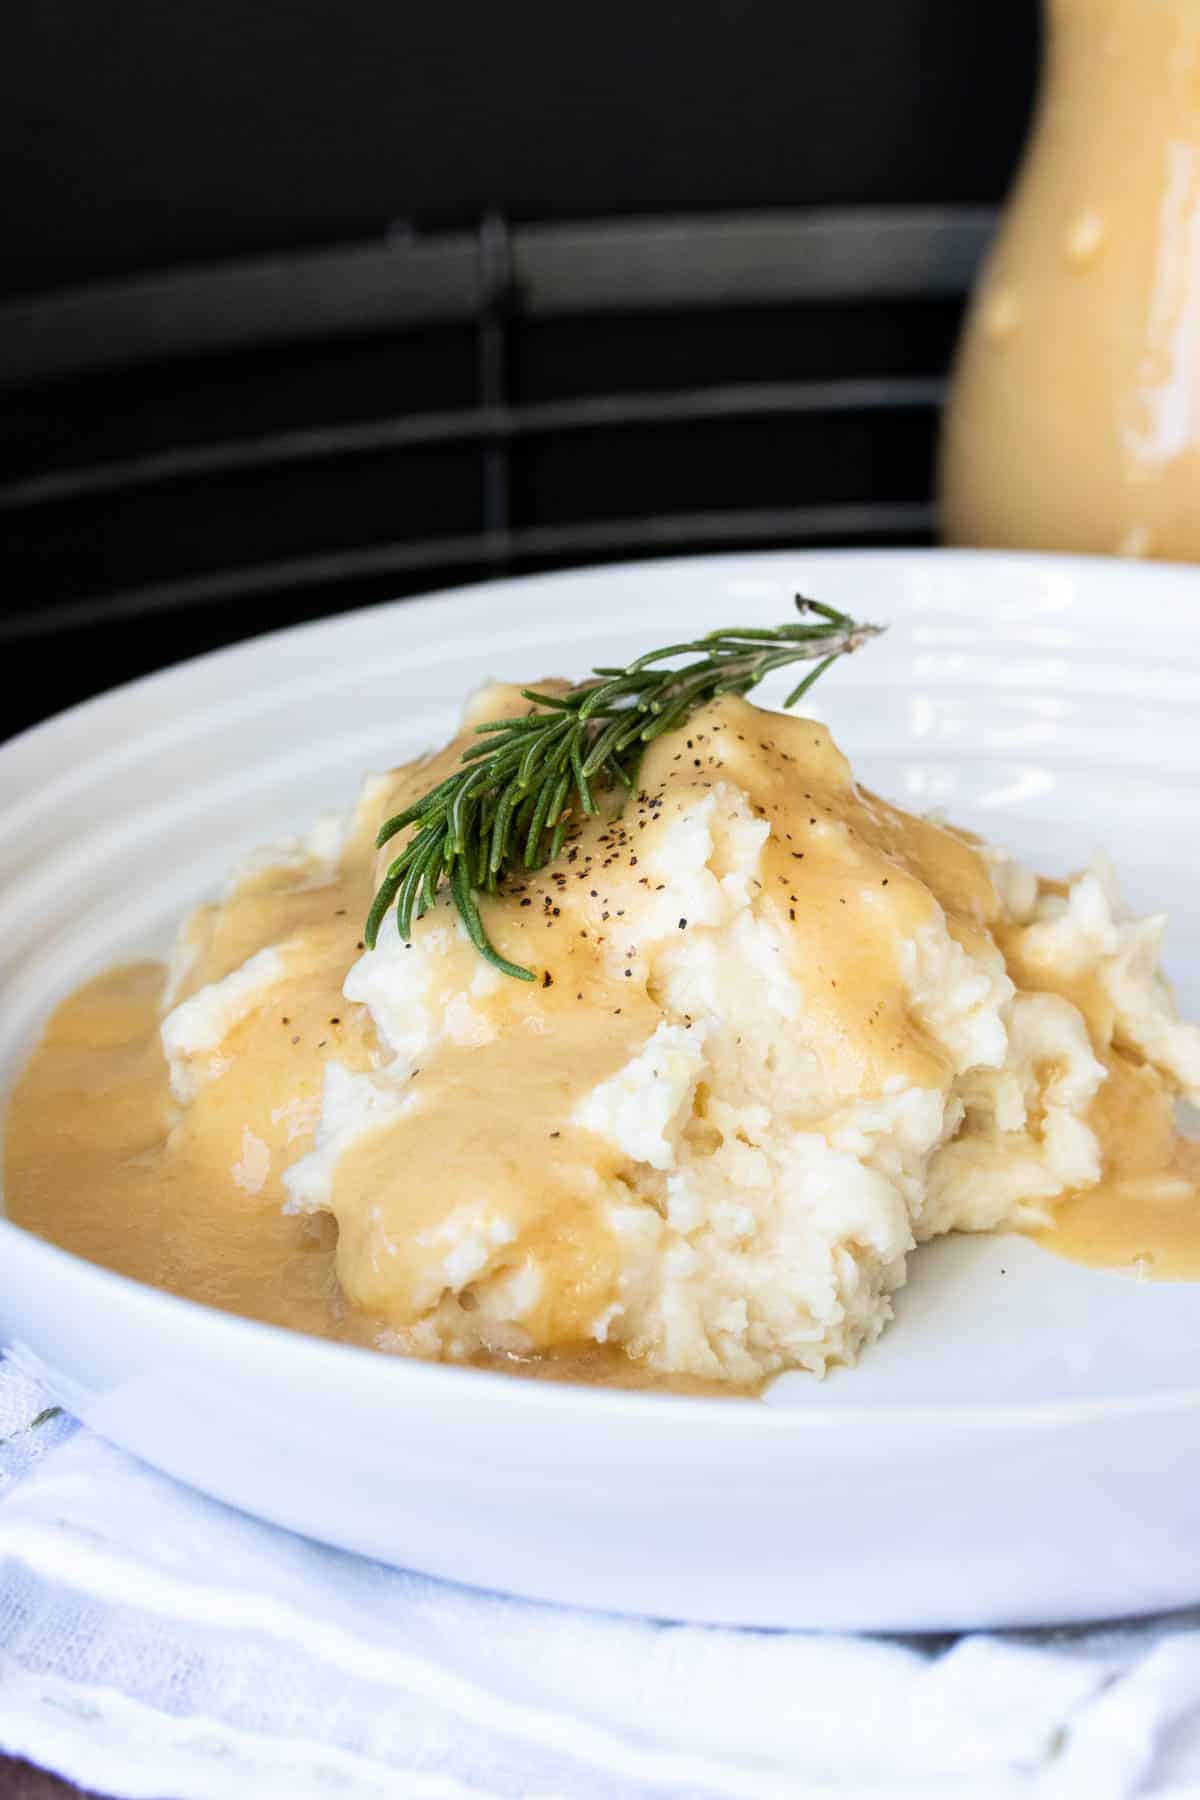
(510, 804)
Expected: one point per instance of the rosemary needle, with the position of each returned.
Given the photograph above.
(508, 807)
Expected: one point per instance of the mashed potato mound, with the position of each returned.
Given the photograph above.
(781, 1034)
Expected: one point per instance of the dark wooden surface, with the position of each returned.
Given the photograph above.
(21, 1781)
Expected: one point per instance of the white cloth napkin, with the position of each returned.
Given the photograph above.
(155, 1643)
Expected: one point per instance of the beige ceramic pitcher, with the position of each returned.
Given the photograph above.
(1073, 421)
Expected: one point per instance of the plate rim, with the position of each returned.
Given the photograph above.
(1104, 568)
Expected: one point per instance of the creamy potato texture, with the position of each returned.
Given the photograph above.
(780, 1033)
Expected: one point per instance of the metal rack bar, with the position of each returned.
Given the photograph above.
(488, 424)
(472, 551)
(557, 270)
(498, 301)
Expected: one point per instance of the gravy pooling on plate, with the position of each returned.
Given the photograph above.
(781, 1031)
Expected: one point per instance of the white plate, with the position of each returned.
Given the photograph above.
(1023, 1445)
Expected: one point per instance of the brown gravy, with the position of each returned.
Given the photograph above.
(1073, 421)
(101, 1159)
(84, 1168)
(1144, 1216)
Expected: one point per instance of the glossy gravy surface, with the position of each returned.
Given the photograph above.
(1145, 1216)
(101, 1158)
(88, 1166)
(500, 1116)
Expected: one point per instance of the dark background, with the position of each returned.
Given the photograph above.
(149, 137)
(143, 134)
